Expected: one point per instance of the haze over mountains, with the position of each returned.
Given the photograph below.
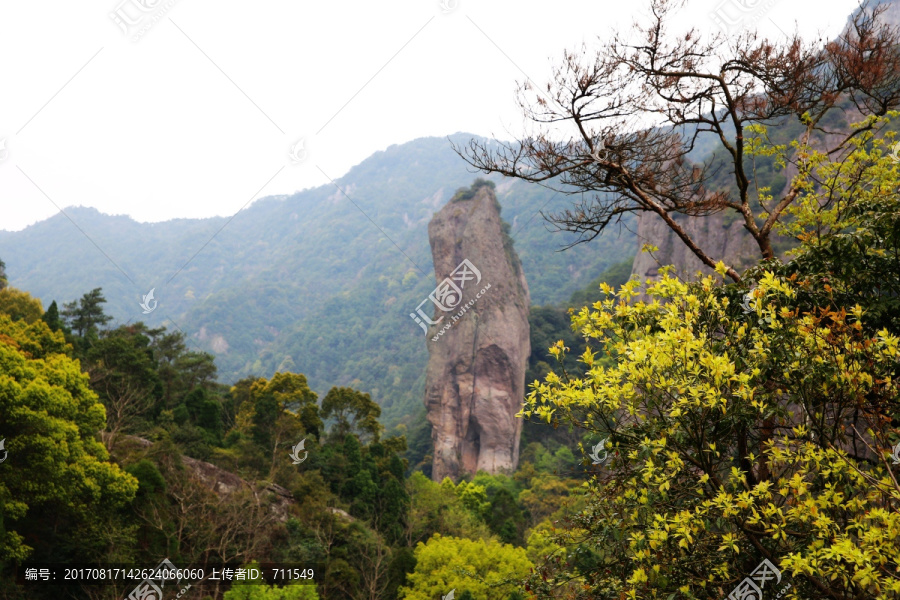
(320, 282)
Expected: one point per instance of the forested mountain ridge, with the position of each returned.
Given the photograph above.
(304, 282)
(733, 433)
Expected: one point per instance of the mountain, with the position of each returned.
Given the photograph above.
(312, 282)
(891, 14)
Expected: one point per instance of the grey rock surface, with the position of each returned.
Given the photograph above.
(478, 349)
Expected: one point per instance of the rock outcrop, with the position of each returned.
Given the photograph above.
(719, 238)
(478, 342)
(225, 483)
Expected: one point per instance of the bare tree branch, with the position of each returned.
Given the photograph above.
(638, 109)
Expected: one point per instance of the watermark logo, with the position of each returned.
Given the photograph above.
(595, 454)
(895, 454)
(295, 452)
(298, 152)
(895, 152)
(449, 596)
(4, 152)
(599, 152)
(151, 588)
(447, 296)
(746, 304)
(733, 15)
(136, 17)
(448, 6)
(3, 452)
(751, 588)
(148, 298)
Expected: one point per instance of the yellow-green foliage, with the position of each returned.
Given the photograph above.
(691, 376)
(20, 305)
(747, 424)
(489, 570)
(472, 496)
(541, 544)
(50, 418)
(435, 507)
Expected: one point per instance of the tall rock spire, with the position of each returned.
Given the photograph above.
(479, 343)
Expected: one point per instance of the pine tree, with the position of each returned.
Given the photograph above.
(51, 317)
(86, 316)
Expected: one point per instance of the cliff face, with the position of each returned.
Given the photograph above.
(479, 345)
(728, 242)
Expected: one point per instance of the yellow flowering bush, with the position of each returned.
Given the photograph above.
(752, 421)
(743, 432)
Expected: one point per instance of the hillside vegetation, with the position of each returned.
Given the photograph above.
(303, 282)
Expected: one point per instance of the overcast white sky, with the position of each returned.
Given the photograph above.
(197, 117)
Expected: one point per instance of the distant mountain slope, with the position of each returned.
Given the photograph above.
(891, 13)
(304, 282)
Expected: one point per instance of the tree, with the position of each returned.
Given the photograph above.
(51, 317)
(359, 489)
(750, 424)
(85, 316)
(3, 280)
(353, 411)
(696, 90)
(20, 305)
(403, 563)
(276, 413)
(391, 508)
(541, 546)
(168, 349)
(293, 392)
(205, 411)
(57, 477)
(488, 569)
(238, 395)
(187, 519)
(505, 518)
(374, 566)
(547, 495)
(473, 498)
(122, 371)
(433, 510)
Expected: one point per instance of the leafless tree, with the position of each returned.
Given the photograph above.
(125, 402)
(208, 528)
(375, 562)
(638, 106)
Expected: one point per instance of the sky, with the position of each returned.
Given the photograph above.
(166, 109)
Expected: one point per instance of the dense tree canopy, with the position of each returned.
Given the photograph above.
(19, 305)
(750, 423)
(486, 569)
(353, 411)
(57, 474)
(749, 418)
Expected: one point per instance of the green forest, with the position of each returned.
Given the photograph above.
(732, 432)
(81, 488)
(305, 271)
